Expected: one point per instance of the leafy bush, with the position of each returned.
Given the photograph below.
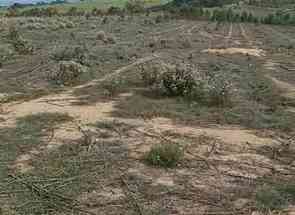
(67, 72)
(164, 155)
(179, 82)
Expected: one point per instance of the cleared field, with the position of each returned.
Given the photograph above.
(81, 148)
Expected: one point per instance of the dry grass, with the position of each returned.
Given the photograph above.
(228, 120)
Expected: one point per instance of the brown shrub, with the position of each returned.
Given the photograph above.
(67, 72)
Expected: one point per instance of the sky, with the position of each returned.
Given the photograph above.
(9, 2)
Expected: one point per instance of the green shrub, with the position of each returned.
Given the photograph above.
(164, 155)
(179, 82)
(274, 197)
(268, 198)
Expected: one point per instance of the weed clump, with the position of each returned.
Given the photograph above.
(164, 155)
(20, 45)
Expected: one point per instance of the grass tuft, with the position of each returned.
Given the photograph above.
(164, 155)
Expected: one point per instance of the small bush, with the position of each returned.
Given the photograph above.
(67, 72)
(76, 53)
(184, 80)
(134, 6)
(151, 74)
(164, 155)
(269, 198)
(20, 45)
(179, 82)
(219, 90)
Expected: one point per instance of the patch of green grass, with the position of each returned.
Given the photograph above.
(274, 197)
(263, 90)
(164, 155)
(268, 198)
(253, 115)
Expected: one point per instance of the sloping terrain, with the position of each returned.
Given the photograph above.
(80, 148)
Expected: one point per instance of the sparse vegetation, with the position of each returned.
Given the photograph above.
(268, 198)
(164, 155)
(20, 45)
(274, 197)
(181, 111)
(114, 86)
(78, 54)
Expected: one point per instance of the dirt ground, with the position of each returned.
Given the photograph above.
(103, 144)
